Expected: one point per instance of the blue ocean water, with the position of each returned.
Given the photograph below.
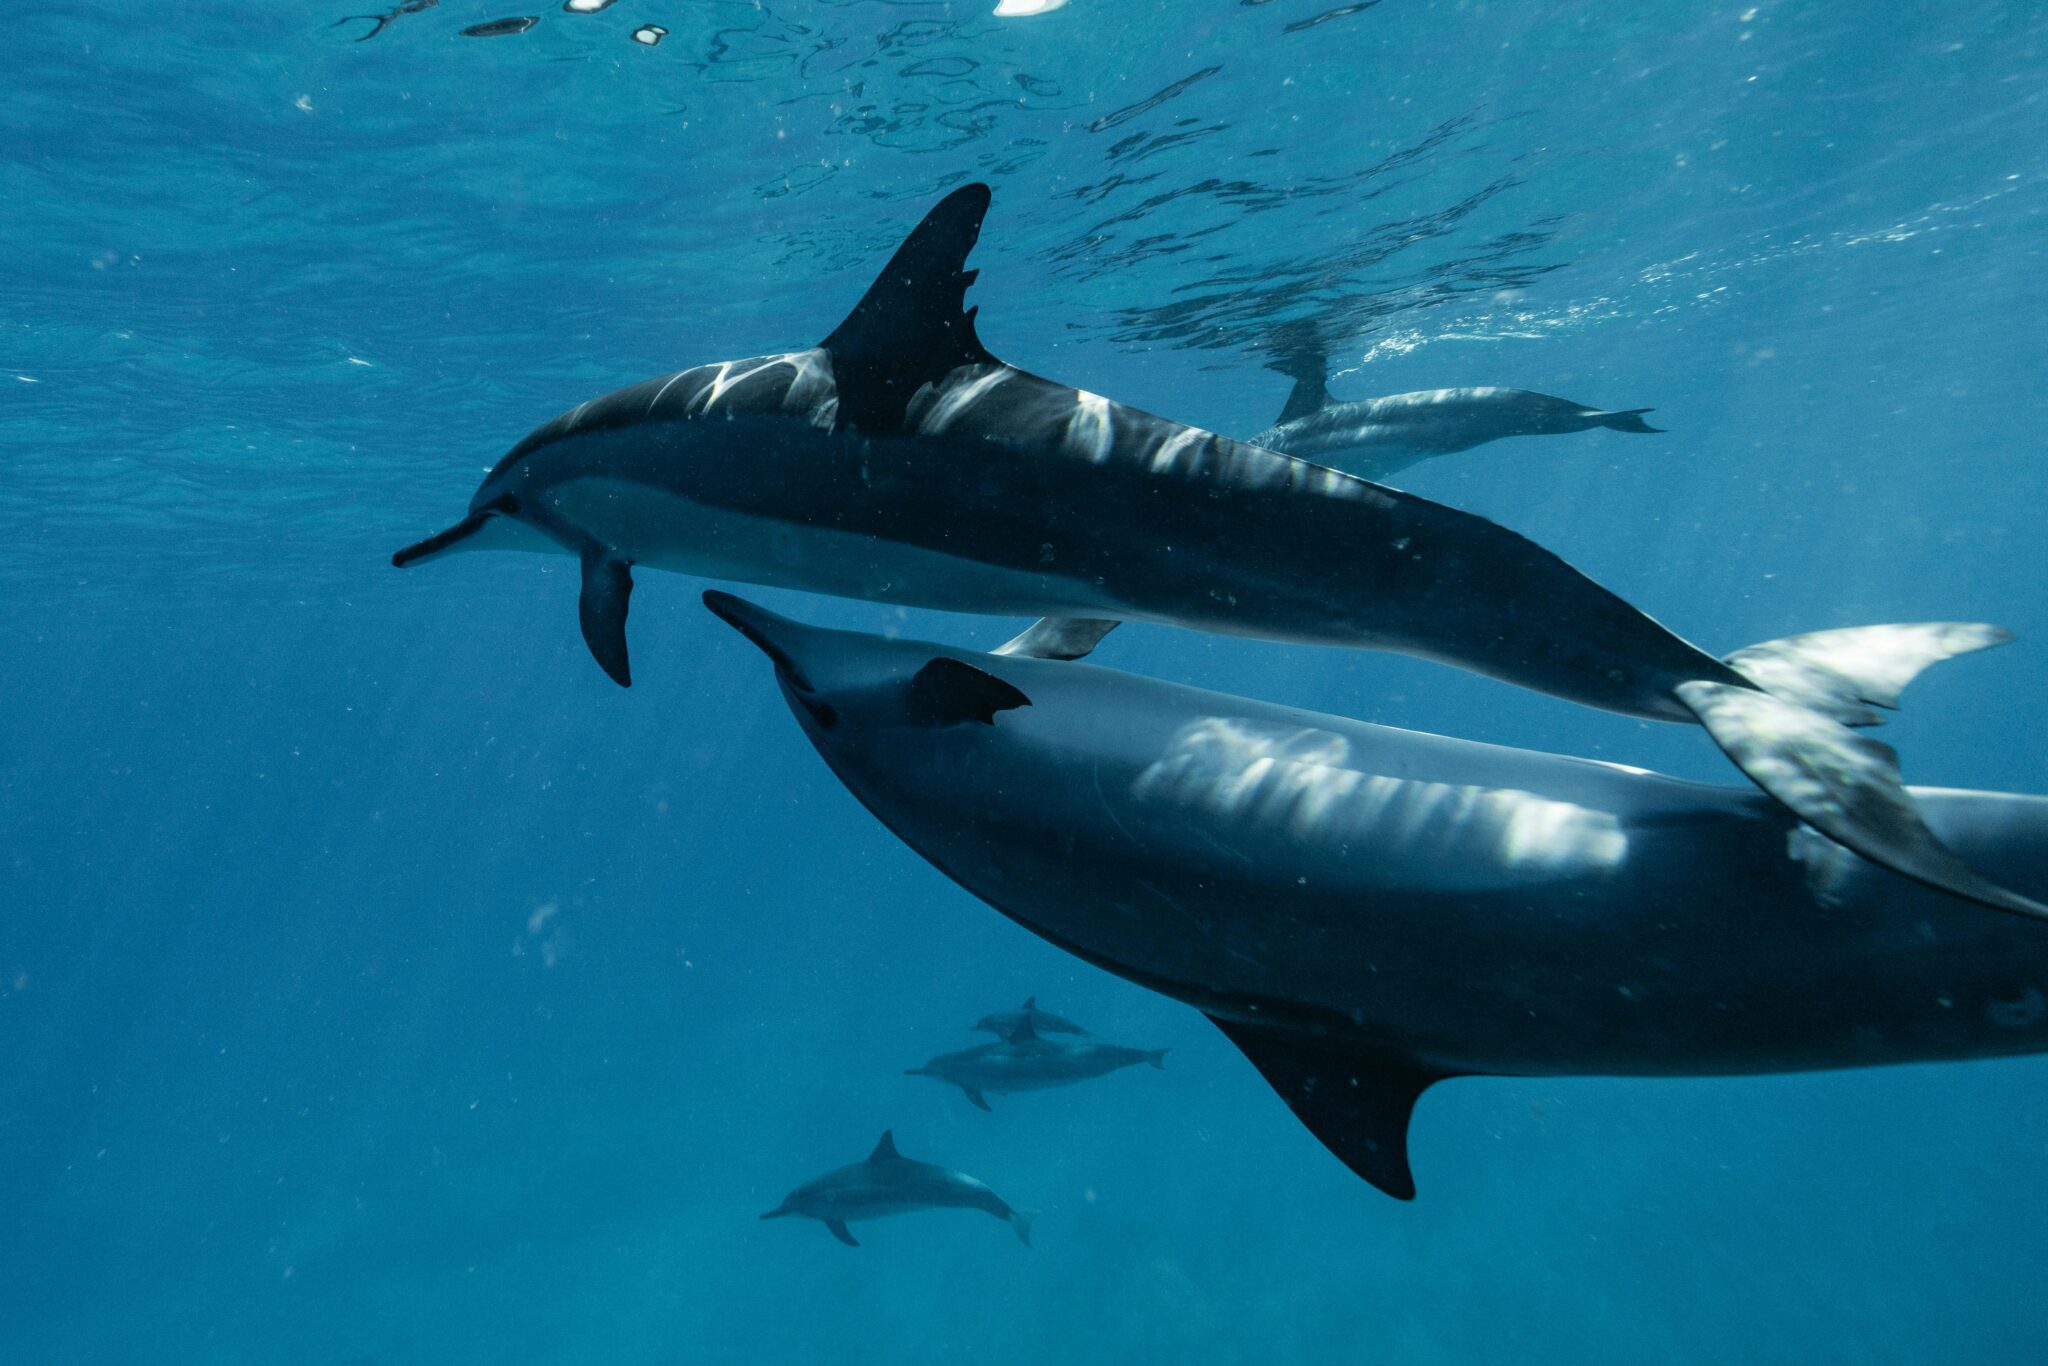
(379, 984)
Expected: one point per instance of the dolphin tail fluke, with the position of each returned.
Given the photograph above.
(1157, 1057)
(1843, 674)
(1357, 1107)
(1627, 420)
(1020, 1220)
(601, 609)
(1845, 785)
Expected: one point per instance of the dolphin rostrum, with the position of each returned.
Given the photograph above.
(899, 461)
(1366, 911)
(890, 1183)
(1028, 1016)
(1024, 1062)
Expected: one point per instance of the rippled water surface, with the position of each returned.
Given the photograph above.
(378, 984)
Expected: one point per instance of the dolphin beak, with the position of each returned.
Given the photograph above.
(441, 541)
(771, 632)
(759, 625)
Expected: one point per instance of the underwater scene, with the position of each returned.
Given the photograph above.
(1051, 681)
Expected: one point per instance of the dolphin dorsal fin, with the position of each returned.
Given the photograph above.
(1030, 1003)
(950, 692)
(1302, 356)
(1358, 1107)
(885, 1148)
(912, 327)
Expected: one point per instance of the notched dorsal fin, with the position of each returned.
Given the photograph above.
(912, 326)
(885, 1148)
(948, 692)
(1357, 1107)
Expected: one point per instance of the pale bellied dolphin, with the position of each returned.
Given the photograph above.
(890, 1183)
(1024, 1062)
(1365, 911)
(1377, 437)
(899, 461)
(1027, 1017)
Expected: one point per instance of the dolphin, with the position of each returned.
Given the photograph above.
(1025, 1062)
(890, 1183)
(1378, 437)
(1366, 911)
(899, 461)
(1027, 1017)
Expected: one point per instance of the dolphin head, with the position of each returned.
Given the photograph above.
(841, 683)
(498, 519)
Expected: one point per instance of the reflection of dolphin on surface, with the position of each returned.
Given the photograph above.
(1027, 1017)
(900, 461)
(1366, 911)
(889, 1183)
(1024, 1062)
(1377, 437)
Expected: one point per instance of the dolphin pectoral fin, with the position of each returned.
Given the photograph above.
(441, 542)
(1843, 784)
(950, 692)
(1057, 638)
(979, 1101)
(607, 588)
(912, 327)
(841, 1232)
(1357, 1107)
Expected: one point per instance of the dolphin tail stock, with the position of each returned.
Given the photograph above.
(1020, 1220)
(1357, 1107)
(1626, 420)
(1791, 738)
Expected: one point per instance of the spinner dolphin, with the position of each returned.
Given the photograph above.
(899, 461)
(1367, 911)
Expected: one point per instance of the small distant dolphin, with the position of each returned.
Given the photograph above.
(1027, 1017)
(889, 1183)
(900, 461)
(1366, 911)
(1025, 1062)
(1377, 437)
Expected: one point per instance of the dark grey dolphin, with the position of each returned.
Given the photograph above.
(1024, 1062)
(899, 461)
(1378, 437)
(1365, 911)
(1027, 1017)
(890, 1183)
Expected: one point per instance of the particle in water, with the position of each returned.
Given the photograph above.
(587, 6)
(501, 28)
(649, 34)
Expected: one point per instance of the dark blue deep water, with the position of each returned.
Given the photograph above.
(380, 986)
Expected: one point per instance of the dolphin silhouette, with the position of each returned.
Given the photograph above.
(1005, 1023)
(899, 461)
(1366, 911)
(1022, 1061)
(889, 1183)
